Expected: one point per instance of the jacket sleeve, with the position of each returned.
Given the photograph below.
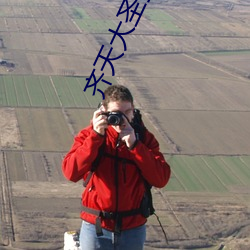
(151, 161)
(84, 150)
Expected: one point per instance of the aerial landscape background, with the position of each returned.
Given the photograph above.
(187, 64)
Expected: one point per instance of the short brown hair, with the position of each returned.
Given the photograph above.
(117, 93)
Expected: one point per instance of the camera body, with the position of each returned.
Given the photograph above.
(114, 118)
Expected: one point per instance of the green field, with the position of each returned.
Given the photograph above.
(226, 52)
(208, 173)
(87, 23)
(46, 91)
(163, 21)
(79, 13)
(95, 26)
(157, 15)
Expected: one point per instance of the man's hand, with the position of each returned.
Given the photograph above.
(127, 134)
(100, 122)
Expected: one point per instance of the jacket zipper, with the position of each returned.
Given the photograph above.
(116, 166)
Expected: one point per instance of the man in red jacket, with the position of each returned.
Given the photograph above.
(113, 197)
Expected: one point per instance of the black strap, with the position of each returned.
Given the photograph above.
(98, 227)
(150, 198)
(95, 163)
(109, 215)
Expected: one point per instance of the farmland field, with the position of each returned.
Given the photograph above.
(187, 65)
(236, 59)
(163, 21)
(10, 136)
(216, 132)
(46, 91)
(209, 173)
(37, 135)
(95, 26)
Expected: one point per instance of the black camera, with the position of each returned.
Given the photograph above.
(114, 118)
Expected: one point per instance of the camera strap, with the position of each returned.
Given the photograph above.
(95, 163)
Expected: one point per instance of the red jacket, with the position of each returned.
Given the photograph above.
(101, 192)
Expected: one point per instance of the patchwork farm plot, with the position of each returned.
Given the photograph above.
(36, 19)
(198, 110)
(56, 54)
(101, 19)
(41, 49)
(83, 45)
(209, 23)
(212, 30)
(197, 86)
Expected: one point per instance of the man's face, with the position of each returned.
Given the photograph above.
(124, 107)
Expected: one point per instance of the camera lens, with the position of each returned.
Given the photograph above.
(114, 120)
